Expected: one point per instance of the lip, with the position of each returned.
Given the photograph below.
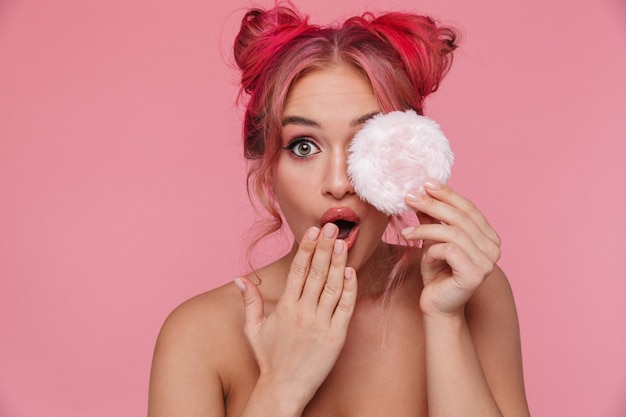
(343, 213)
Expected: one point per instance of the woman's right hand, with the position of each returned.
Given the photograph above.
(298, 344)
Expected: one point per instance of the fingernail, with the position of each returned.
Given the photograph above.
(407, 230)
(314, 232)
(433, 185)
(329, 230)
(414, 196)
(338, 247)
(348, 273)
(239, 283)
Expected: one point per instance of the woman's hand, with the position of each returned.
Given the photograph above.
(298, 344)
(459, 248)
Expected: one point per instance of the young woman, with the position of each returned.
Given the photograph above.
(345, 324)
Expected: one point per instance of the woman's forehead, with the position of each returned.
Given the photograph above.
(330, 90)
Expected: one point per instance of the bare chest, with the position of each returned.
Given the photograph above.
(379, 372)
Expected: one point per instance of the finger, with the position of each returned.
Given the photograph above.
(446, 233)
(429, 208)
(252, 303)
(447, 206)
(347, 301)
(300, 265)
(424, 218)
(466, 274)
(446, 194)
(319, 268)
(334, 283)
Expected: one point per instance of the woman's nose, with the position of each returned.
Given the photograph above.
(336, 182)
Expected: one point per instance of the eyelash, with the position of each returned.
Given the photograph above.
(297, 141)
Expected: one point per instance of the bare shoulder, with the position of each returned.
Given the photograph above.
(493, 300)
(195, 347)
(201, 316)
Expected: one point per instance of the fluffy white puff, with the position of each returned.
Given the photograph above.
(394, 153)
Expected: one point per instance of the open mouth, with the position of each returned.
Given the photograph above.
(346, 220)
(345, 227)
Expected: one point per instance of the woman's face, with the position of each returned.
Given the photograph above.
(323, 111)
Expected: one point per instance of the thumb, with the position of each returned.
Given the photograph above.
(252, 302)
(429, 263)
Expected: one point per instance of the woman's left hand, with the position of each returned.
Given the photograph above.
(459, 249)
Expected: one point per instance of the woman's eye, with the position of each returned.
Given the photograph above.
(302, 148)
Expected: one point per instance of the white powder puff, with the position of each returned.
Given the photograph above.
(395, 153)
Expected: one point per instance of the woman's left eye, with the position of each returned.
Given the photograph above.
(302, 147)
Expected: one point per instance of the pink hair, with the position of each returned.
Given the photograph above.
(405, 56)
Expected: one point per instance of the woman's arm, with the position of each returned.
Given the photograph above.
(474, 361)
(459, 253)
(492, 321)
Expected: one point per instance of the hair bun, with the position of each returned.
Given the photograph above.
(424, 46)
(260, 38)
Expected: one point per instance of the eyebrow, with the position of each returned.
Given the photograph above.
(303, 121)
(364, 118)
(299, 120)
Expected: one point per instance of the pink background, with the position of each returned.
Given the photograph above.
(122, 185)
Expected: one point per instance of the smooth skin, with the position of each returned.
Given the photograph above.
(457, 256)
(317, 336)
(311, 321)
